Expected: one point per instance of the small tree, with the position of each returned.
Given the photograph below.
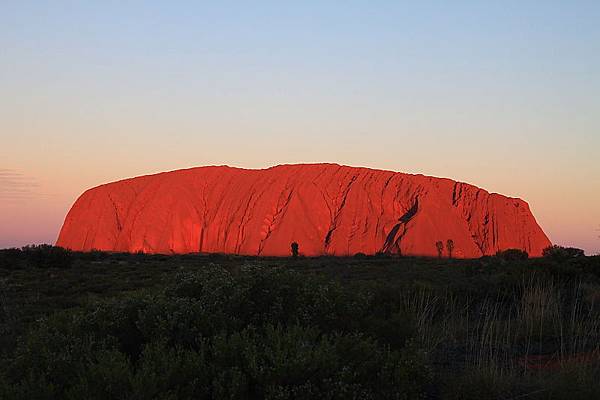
(440, 248)
(450, 247)
(294, 249)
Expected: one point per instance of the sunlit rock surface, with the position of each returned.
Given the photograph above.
(325, 208)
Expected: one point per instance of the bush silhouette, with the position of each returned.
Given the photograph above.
(562, 253)
(512, 255)
(47, 256)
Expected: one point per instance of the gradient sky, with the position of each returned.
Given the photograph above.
(505, 96)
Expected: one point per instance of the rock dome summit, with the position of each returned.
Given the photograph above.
(327, 209)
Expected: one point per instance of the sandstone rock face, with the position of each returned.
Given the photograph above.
(325, 208)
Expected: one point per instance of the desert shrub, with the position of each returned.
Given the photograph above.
(182, 321)
(165, 370)
(107, 375)
(211, 281)
(512, 255)
(273, 362)
(562, 253)
(47, 256)
(95, 255)
(52, 355)
(258, 296)
(12, 259)
(211, 334)
(116, 319)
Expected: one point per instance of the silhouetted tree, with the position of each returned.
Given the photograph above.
(562, 253)
(450, 247)
(512, 255)
(440, 248)
(294, 249)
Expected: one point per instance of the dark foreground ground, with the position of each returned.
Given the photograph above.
(117, 326)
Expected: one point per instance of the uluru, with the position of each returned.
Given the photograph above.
(328, 209)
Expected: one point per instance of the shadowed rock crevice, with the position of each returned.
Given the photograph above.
(272, 221)
(393, 239)
(341, 201)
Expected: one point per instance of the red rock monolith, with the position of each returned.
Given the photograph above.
(325, 208)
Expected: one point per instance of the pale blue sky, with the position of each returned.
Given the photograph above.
(503, 95)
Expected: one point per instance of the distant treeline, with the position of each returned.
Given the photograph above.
(48, 256)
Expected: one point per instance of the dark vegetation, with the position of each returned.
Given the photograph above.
(294, 249)
(440, 248)
(562, 253)
(123, 326)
